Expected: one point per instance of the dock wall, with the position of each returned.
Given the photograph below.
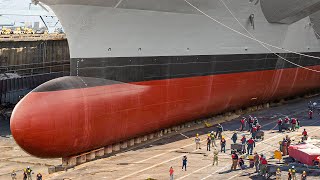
(27, 61)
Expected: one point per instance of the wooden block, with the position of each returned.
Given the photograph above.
(124, 145)
(108, 150)
(145, 138)
(100, 152)
(116, 147)
(137, 140)
(131, 142)
(151, 136)
(82, 159)
(91, 156)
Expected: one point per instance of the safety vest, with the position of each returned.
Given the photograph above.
(264, 161)
(250, 141)
(304, 133)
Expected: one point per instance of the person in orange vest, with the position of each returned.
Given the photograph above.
(171, 171)
(310, 114)
(223, 144)
(293, 123)
(305, 135)
(242, 123)
(280, 124)
(251, 144)
(234, 157)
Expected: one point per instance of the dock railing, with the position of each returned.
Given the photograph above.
(31, 37)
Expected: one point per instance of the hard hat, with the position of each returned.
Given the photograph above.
(28, 167)
(211, 132)
(304, 172)
(197, 134)
(292, 167)
(289, 170)
(222, 137)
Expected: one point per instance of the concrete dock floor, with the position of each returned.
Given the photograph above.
(154, 159)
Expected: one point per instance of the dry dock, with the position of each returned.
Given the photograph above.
(154, 159)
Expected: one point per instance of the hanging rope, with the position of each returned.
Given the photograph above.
(252, 38)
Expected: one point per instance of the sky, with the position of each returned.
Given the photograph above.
(10, 6)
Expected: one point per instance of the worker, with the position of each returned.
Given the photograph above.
(255, 121)
(213, 139)
(223, 144)
(293, 173)
(184, 162)
(250, 145)
(234, 137)
(304, 175)
(219, 131)
(29, 171)
(242, 123)
(263, 165)
(254, 131)
(298, 124)
(39, 176)
(241, 163)
(256, 159)
(215, 156)
(250, 122)
(293, 123)
(280, 124)
(288, 143)
(284, 147)
(171, 171)
(278, 174)
(310, 114)
(243, 142)
(286, 120)
(197, 141)
(289, 174)
(13, 175)
(305, 135)
(234, 157)
(208, 142)
(25, 174)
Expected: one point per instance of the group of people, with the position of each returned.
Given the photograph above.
(253, 125)
(27, 174)
(291, 174)
(285, 124)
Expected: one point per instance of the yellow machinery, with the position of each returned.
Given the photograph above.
(5, 31)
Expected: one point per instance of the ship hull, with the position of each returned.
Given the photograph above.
(75, 120)
(140, 66)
